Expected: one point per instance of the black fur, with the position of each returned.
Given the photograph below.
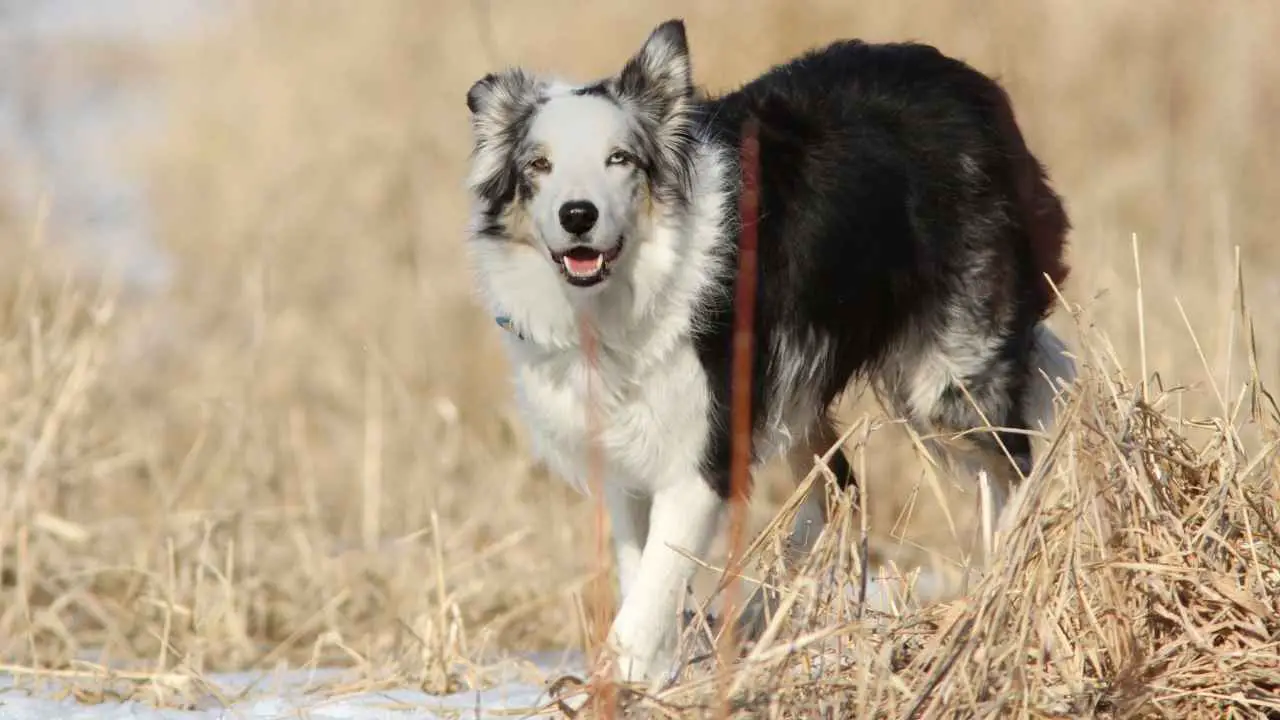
(898, 201)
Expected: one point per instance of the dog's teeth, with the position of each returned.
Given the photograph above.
(583, 268)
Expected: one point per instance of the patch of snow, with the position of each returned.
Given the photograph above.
(292, 694)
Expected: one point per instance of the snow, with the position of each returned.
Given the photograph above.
(292, 694)
(500, 702)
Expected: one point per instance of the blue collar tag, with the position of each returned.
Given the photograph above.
(504, 322)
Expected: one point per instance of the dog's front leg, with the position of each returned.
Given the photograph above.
(629, 518)
(683, 517)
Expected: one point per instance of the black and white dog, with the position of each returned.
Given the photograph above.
(906, 235)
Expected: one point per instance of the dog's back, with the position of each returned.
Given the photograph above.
(893, 118)
(905, 231)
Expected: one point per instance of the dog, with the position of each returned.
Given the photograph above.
(905, 235)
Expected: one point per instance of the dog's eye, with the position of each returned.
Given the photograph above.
(540, 164)
(619, 157)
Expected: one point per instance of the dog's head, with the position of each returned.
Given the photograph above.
(577, 173)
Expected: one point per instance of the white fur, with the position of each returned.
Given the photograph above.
(798, 362)
(685, 513)
(648, 389)
(644, 385)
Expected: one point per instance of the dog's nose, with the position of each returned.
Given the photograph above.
(578, 216)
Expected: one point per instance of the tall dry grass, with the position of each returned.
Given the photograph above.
(303, 451)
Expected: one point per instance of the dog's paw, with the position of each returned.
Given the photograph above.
(655, 671)
(645, 654)
(756, 615)
(692, 620)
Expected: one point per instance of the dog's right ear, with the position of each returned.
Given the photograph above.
(500, 103)
(502, 94)
(479, 92)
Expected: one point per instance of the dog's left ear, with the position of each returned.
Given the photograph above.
(658, 84)
(661, 72)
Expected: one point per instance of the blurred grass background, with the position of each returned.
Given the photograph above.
(301, 448)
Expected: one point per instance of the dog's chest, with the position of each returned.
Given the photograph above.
(649, 419)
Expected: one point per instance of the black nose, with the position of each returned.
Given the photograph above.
(578, 216)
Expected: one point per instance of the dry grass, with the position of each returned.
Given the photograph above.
(303, 452)
(1147, 584)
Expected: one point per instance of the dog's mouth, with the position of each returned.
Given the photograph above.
(584, 266)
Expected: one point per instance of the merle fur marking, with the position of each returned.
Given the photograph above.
(906, 235)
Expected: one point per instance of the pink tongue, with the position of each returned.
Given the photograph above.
(581, 266)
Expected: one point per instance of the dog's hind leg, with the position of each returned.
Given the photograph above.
(810, 519)
(1050, 369)
(813, 513)
(977, 397)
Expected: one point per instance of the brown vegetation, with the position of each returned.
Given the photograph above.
(304, 453)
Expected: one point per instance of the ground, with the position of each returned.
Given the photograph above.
(299, 450)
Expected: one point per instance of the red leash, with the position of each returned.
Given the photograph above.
(745, 306)
(740, 385)
(740, 418)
